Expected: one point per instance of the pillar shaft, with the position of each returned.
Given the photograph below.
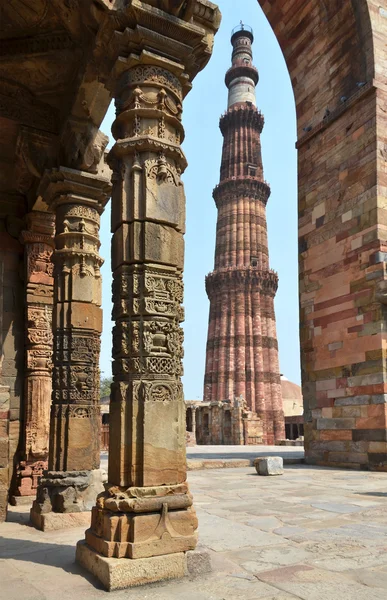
(38, 241)
(78, 199)
(147, 508)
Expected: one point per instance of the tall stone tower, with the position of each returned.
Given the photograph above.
(242, 347)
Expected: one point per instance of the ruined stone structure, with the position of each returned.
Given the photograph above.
(222, 423)
(242, 348)
(232, 423)
(61, 63)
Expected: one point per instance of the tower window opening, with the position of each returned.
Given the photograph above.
(254, 261)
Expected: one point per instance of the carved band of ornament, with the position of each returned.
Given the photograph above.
(229, 190)
(160, 391)
(87, 212)
(143, 143)
(29, 237)
(82, 228)
(157, 338)
(242, 277)
(159, 101)
(160, 170)
(241, 116)
(72, 411)
(36, 45)
(81, 255)
(148, 366)
(90, 396)
(83, 345)
(152, 75)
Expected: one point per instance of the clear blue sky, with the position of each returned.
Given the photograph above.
(203, 147)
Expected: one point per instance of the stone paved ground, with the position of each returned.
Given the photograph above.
(230, 454)
(311, 534)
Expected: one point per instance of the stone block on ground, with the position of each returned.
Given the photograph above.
(52, 520)
(198, 562)
(121, 573)
(269, 465)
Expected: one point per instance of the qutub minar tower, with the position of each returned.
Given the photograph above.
(242, 347)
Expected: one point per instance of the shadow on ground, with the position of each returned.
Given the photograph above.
(61, 556)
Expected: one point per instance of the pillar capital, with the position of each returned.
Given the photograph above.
(63, 186)
(187, 40)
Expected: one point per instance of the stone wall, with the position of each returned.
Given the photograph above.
(223, 423)
(337, 67)
(11, 358)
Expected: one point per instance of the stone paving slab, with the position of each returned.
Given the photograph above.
(269, 539)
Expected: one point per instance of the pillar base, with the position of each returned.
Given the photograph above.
(21, 500)
(121, 573)
(63, 493)
(143, 522)
(52, 521)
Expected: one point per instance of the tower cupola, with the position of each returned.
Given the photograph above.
(242, 77)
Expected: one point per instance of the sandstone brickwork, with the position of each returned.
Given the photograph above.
(242, 348)
(340, 89)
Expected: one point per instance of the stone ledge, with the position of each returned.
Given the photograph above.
(121, 573)
(232, 463)
(21, 500)
(52, 521)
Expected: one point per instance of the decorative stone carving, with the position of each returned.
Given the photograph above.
(147, 496)
(78, 199)
(38, 241)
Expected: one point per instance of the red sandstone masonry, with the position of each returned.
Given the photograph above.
(242, 349)
(342, 199)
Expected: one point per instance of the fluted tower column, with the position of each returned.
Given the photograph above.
(242, 347)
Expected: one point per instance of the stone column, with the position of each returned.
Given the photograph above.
(70, 484)
(146, 512)
(38, 241)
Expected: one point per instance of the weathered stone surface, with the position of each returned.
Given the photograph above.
(116, 574)
(77, 199)
(38, 243)
(52, 521)
(147, 412)
(63, 492)
(198, 562)
(269, 465)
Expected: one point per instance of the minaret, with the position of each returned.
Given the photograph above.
(242, 347)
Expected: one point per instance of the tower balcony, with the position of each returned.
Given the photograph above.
(241, 278)
(231, 190)
(242, 115)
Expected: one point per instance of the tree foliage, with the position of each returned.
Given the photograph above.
(105, 383)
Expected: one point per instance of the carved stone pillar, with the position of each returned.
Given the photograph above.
(38, 242)
(146, 512)
(70, 484)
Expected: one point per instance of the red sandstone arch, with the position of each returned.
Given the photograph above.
(335, 54)
(319, 36)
